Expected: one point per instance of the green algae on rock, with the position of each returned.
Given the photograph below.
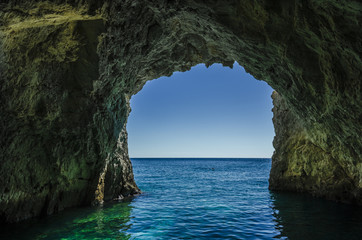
(69, 68)
(50, 151)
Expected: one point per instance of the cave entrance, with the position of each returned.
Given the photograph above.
(214, 112)
(186, 134)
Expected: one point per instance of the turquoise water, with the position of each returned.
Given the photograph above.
(200, 199)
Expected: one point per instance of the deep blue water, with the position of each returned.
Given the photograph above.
(201, 199)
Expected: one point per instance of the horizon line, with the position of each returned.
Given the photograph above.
(204, 157)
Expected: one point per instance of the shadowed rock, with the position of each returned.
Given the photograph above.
(69, 70)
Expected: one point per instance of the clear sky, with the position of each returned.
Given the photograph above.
(205, 112)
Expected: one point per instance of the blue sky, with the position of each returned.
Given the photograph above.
(205, 112)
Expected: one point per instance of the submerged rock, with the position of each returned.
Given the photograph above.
(69, 68)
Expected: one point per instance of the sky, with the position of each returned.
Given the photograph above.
(214, 112)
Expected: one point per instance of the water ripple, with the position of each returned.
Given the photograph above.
(201, 199)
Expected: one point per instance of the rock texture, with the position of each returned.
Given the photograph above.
(56, 141)
(300, 163)
(69, 68)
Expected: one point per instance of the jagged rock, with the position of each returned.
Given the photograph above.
(300, 163)
(69, 68)
(56, 138)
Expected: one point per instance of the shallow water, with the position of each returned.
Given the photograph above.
(201, 199)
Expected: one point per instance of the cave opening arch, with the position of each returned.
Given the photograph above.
(67, 78)
(287, 59)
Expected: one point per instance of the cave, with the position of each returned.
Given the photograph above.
(69, 68)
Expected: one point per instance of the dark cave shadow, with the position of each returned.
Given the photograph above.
(299, 216)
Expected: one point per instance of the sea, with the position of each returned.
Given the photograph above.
(200, 198)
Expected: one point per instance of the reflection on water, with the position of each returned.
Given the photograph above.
(200, 199)
(110, 221)
(299, 216)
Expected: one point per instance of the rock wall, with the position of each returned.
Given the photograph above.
(55, 140)
(302, 164)
(69, 68)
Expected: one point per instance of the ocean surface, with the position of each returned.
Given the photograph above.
(200, 199)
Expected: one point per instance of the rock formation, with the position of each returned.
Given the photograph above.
(69, 68)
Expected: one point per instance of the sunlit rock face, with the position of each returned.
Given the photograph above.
(69, 70)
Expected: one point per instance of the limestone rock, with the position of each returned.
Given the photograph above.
(69, 68)
(52, 150)
(301, 164)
